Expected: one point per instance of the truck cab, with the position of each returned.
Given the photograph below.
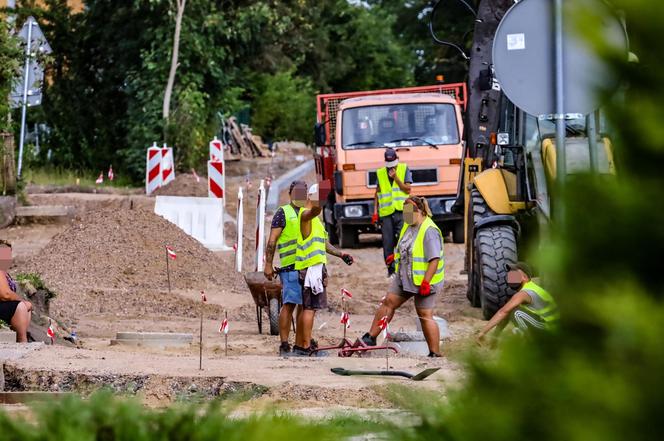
(424, 125)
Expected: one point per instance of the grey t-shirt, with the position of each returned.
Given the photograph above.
(433, 247)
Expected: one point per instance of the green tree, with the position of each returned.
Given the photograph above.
(284, 108)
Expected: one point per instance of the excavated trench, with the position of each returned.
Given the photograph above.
(151, 388)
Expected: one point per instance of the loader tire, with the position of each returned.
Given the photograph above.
(477, 210)
(494, 247)
(273, 312)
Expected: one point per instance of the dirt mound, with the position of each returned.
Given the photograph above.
(185, 184)
(111, 251)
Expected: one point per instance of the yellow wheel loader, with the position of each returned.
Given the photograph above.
(509, 165)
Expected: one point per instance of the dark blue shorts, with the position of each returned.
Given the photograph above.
(291, 290)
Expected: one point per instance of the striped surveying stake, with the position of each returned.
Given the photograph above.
(260, 229)
(167, 165)
(153, 169)
(216, 150)
(240, 231)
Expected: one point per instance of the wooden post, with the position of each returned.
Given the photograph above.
(7, 168)
(168, 271)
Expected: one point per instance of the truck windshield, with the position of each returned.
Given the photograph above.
(422, 124)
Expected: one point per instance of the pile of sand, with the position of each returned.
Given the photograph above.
(185, 184)
(110, 260)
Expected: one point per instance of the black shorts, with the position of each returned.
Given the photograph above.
(7, 310)
(309, 300)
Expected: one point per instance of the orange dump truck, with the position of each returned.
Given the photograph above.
(423, 124)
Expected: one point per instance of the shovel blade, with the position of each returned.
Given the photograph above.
(424, 374)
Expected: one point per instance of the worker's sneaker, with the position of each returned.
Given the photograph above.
(313, 345)
(368, 340)
(307, 352)
(284, 349)
(434, 355)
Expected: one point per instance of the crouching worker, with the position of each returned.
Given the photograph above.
(419, 273)
(531, 309)
(312, 250)
(283, 237)
(13, 309)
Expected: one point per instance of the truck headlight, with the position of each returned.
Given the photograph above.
(449, 205)
(353, 211)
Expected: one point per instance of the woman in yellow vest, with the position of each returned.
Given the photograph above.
(531, 309)
(419, 273)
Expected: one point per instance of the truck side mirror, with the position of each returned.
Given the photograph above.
(319, 134)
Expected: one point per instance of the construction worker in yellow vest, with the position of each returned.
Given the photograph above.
(283, 239)
(310, 261)
(419, 273)
(394, 182)
(531, 308)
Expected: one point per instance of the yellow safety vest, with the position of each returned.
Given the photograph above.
(310, 251)
(390, 197)
(420, 263)
(548, 314)
(287, 242)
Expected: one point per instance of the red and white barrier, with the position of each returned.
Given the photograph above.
(153, 169)
(260, 228)
(240, 230)
(216, 150)
(216, 179)
(167, 165)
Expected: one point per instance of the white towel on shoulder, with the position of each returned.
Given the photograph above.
(314, 279)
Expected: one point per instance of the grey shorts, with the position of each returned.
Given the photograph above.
(421, 302)
(310, 300)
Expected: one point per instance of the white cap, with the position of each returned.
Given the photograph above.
(313, 190)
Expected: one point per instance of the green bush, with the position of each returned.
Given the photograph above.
(106, 418)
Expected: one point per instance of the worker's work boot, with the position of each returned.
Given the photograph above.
(434, 355)
(284, 349)
(368, 340)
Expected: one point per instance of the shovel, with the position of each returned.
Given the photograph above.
(417, 377)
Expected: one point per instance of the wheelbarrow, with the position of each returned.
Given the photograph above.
(267, 295)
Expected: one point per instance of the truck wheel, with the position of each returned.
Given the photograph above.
(458, 232)
(494, 247)
(348, 237)
(273, 312)
(332, 234)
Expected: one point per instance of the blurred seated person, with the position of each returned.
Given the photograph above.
(14, 311)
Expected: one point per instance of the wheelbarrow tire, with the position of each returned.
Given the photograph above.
(273, 312)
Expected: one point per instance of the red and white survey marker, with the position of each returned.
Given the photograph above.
(383, 324)
(345, 319)
(171, 253)
(346, 293)
(224, 326)
(100, 179)
(51, 333)
(110, 173)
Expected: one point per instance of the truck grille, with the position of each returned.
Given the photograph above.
(423, 176)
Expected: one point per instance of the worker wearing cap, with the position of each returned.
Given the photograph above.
(420, 273)
(531, 309)
(310, 261)
(283, 238)
(394, 182)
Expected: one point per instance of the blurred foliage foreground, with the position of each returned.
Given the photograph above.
(599, 378)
